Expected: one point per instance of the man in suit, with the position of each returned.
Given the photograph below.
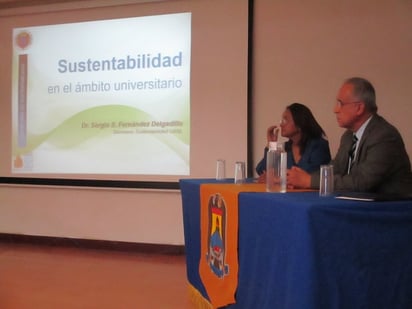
(371, 156)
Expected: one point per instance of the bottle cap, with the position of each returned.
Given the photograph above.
(280, 146)
(273, 145)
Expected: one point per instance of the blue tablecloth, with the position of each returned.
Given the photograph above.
(297, 250)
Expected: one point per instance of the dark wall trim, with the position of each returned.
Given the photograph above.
(92, 244)
(250, 124)
(91, 183)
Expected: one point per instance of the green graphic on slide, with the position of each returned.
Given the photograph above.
(103, 121)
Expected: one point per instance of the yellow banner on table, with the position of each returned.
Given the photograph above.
(218, 266)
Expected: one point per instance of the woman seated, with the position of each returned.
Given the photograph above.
(307, 146)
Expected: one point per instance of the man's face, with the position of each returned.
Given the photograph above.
(347, 107)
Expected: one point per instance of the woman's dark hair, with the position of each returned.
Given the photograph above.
(306, 122)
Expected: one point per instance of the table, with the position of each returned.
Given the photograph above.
(298, 250)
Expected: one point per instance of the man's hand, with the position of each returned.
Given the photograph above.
(298, 178)
(262, 178)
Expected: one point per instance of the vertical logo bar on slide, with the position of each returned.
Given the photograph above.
(22, 101)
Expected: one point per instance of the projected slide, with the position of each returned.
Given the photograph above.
(102, 97)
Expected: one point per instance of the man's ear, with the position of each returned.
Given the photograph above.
(361, 108)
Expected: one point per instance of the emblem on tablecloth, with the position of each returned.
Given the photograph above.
(216, 255)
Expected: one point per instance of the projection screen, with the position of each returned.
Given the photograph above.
(139, 94)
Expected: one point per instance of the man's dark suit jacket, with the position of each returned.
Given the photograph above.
(381, 165)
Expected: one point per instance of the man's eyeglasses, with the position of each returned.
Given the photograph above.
(340, 103)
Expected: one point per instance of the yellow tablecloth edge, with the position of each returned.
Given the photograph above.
(197, 298)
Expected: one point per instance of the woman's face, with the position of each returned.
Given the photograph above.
(287, 125)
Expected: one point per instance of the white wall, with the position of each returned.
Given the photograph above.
(305, 49)
(102, 214)
(302, 52)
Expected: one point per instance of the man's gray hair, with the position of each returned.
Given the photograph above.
(364, 91)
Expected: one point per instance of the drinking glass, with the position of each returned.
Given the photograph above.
(326, 180)
(220, 169)
(240, 176)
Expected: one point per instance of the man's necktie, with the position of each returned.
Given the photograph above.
(352, 152)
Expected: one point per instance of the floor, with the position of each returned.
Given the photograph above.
(50, 277)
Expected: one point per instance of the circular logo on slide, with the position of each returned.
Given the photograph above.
(23, 39)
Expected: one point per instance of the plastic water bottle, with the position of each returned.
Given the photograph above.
(276, 163)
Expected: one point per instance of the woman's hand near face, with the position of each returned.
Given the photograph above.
(272, 133)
